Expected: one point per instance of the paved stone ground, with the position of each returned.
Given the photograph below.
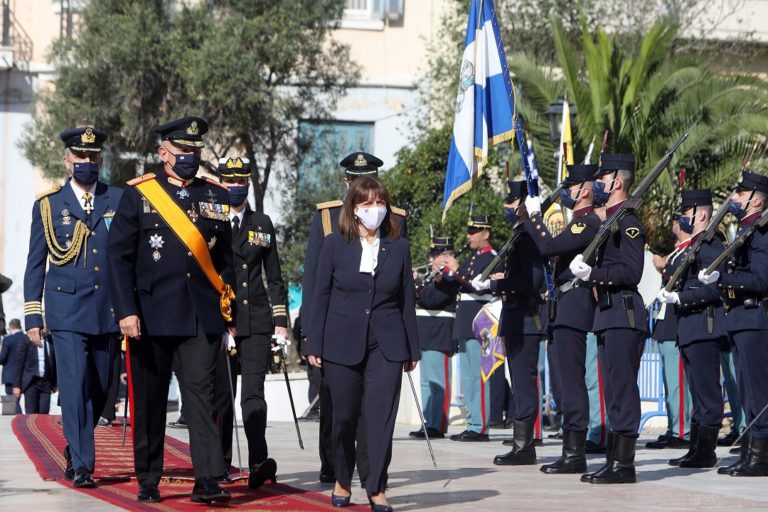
(465, 480)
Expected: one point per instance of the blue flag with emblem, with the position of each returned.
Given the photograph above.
(484, 104)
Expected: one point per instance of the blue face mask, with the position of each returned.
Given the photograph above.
(86, 172)
(685, 225)
(566, 201)
(511, 215)
(186, 165)
(600, 195)
(238, 194)
(737, 210)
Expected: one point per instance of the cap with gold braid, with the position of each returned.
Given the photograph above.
(234, 167)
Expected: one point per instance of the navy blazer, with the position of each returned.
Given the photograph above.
(13, 344)
(29, 364)
(347, 302)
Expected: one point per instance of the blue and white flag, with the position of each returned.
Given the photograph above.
(484, 102)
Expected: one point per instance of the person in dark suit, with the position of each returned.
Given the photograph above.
(5, 284)
(38, 376)
(70, 225)
(363, 330)
(621, 322)
(700, 331)
(261, 316)
(172, 291)
(13, 345)
(324, 222)
(745, 288)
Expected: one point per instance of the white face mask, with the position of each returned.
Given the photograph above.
(372, 217)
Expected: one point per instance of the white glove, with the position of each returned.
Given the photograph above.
(281, 342)
(580, 269)
(227, 341)
(666, 297)
(533, 205)
(479, 285)
(709, 278)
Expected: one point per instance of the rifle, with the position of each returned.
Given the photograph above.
(634, 201)
(507, 247)
(738, 242)
(690, 256)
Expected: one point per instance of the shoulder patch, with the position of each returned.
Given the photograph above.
(214, 182)
(330, 204)
(141, 179)
(48, 192)
(399, 211)
(632, 232)
(578, 227)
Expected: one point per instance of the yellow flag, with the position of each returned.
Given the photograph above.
(566, 141)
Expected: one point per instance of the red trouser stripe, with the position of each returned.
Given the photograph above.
(681, 384)
(602, 402)
(447, 396)
(537, 422)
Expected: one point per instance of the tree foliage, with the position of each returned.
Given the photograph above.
(253, 68)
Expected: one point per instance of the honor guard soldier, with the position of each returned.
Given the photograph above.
(69, 233)
(170, 262)
(620, 317)
(471, 300)
(324, 222)
(745, 289)
(572, 311)
(522, 325)
(700, 330)
(435, 313)
(254, 249)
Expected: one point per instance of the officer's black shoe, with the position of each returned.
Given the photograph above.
(83, 479)
(312, 415)
(69, 471)
(224, 479)
(743, 452)
(206, 490)
(556, 435)
(594, 448)
(621, 469)
(469, 436)
(523, 452)
(433, 433)
(729, 439)
(756, 463)
(262, 472)
(667, 440)
(327, 477)
(588, 477)
(149, 494)
(695, 431)
(704, 455)
(573, 459)
(179, 423)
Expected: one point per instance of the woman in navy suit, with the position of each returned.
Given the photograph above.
(362, 331)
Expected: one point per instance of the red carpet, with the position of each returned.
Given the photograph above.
(43, 440)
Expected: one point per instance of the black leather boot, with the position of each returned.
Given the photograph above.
(704, 455)
(609, 443)
(757, 459)
(573, 459)
(621, 469)
(695, 431)
(743, 452)
(523, 452)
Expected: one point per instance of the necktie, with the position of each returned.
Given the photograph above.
(87, 204)
(235, 226)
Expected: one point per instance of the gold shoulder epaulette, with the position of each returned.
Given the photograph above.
(330, 204)
(48, 192)
(141, 179)
(399, 211)
(214, 182)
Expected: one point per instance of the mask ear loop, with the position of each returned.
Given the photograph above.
(752, 195)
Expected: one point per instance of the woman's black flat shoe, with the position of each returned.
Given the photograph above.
(340, 501)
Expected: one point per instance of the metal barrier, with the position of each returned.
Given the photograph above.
(650, 382)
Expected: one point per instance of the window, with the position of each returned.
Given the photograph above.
(322, 146)
(370, 14)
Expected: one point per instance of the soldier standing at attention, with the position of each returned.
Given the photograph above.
(170, 263)
(69, 232)
(620, 321)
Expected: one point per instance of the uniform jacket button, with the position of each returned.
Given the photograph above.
(189, 254)
(96, 287)
(189, 275)
(367, 311)
(245, 267)
(96, 269)
(95, 251)
(245, 285)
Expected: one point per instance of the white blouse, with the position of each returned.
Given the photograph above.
(370, 257)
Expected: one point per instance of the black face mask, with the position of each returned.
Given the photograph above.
(85, 172)
(186, 165)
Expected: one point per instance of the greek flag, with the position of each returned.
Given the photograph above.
(484, 102)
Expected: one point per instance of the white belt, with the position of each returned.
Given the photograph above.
(435, 313)
(474, 297)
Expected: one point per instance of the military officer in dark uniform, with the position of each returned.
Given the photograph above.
(324, 222)
(745, 288)
(700, 331)
(471, 299)
(522, 324)
(261, 313)
(435, 313)
(171, 297)
(620, 318)
(572, 311)
(69, 232)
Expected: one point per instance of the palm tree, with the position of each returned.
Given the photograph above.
(647, 97)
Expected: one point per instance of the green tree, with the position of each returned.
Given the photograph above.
(253, 68)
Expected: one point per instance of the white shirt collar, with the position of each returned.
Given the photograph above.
(80, 192)
(370, 256)
(239, 215)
